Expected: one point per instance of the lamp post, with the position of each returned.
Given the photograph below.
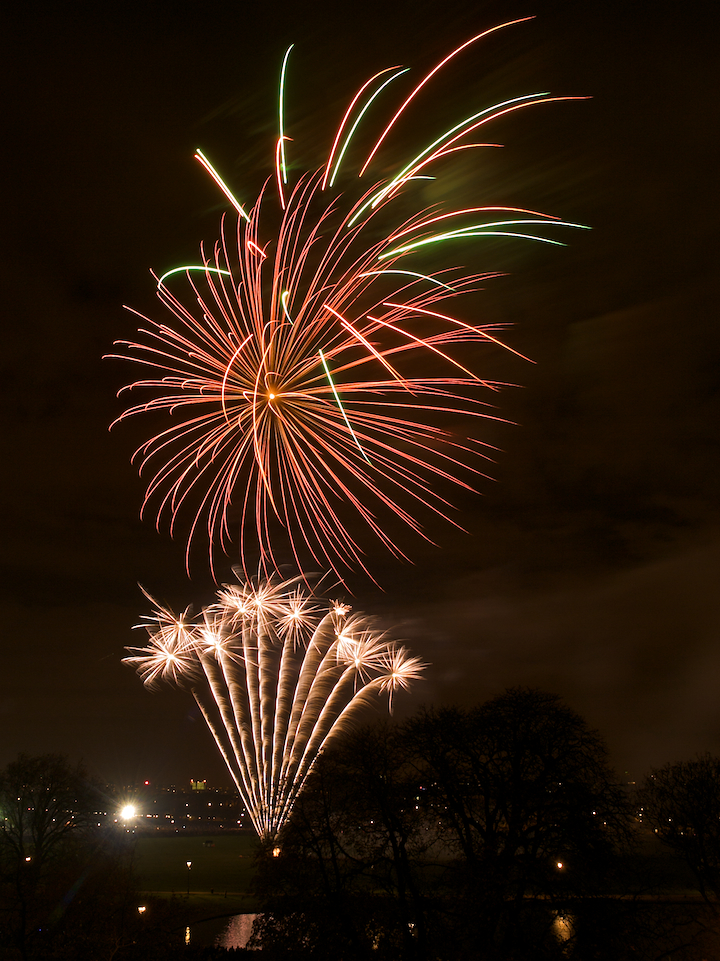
(189, 865)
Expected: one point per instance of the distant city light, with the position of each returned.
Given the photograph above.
(127, 812)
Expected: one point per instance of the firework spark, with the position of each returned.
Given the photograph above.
(302, 371)
(275, 680)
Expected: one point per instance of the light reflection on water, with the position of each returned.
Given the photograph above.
(238, 931)
(563, 926)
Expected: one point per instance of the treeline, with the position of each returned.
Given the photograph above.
(498, 833)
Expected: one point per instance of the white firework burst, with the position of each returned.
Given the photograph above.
(275, 679)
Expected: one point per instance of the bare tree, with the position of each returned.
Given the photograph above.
(525, 801)
(44, 803)
(456, 835)
(681, 802)
(350, 872)
(47, 805)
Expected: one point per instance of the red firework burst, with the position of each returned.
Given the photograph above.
(306, 370)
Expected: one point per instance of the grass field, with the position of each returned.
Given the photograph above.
(221, 864)
(220, 879)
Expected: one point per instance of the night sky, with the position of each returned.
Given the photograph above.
(590, 563)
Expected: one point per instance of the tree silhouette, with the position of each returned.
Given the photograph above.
(681, 802)
(528, 807)
(65, 885)
(349, 876)
(459, 834)
(45, 802)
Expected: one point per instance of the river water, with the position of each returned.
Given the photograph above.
(237, 931)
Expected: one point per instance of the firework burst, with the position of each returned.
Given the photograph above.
(306, 367)
(275, 679)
